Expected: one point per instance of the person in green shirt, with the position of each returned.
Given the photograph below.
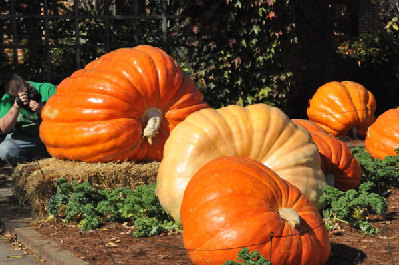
(20, 109)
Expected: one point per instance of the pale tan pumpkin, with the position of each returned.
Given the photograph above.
(259, 132)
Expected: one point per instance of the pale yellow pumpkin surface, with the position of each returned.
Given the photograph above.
(259, 132)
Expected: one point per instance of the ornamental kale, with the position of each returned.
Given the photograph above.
(91, 207)
(247, 258)
(385, 172)
(352, 206)
(64, 190)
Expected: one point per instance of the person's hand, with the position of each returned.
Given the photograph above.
(36, 106)
(22, 99)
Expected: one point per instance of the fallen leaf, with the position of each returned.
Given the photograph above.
(14, 257)
(111, 245)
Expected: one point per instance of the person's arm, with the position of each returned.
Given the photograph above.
(8, 121)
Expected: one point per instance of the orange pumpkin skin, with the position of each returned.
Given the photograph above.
(120, 106)
(336, 157)
(339, 107)
(234, 201)
(310, 126)
(383, 135)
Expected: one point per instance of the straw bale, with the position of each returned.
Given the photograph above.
(36, 180)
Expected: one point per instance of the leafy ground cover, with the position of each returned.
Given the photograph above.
(91, 207)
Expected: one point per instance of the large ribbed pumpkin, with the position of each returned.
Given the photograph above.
(234, 201)
(120, 106)
(341, 168)
(383, 135)
(341, 107)
(259, 132)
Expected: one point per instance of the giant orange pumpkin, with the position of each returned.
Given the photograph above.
(341, 107)
(120, 106)
(259, 132)
(233, 202)
(341, 168)
(383, 136)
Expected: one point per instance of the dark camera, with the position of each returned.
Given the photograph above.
(32, 94)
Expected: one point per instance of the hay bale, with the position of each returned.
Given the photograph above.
(36, 180)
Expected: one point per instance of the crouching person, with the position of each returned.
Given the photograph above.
(20, 109)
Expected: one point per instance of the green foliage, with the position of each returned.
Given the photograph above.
(371, 59)
(254, 58)
(91, 207)
(379, 48)
(389, 13)
(61, 197)
(352, 206)
(145, 226)
(392, 25)
(247, 258)
(383, 172)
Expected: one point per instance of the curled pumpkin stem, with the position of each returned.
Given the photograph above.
(290, 215)
(152, 122)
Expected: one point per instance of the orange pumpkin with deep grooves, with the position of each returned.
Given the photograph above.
(233, 202)
(341, 168)
(120, 106)
(383, 136)
(342, 107)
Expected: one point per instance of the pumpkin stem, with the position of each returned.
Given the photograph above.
(330, 180)
(151, 123)
(290, 215)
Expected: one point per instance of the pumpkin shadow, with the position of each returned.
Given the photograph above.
(343, 255)
(392, 216)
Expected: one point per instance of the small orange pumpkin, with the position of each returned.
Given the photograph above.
(383, 135)
(120, 106)
(235, 201)
(341, 168)
(340, 107)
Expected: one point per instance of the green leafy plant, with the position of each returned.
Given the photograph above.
(91, 207)
(249, 258)
(381, 172)
(372, 59)
(352, 206)
(261, 57)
